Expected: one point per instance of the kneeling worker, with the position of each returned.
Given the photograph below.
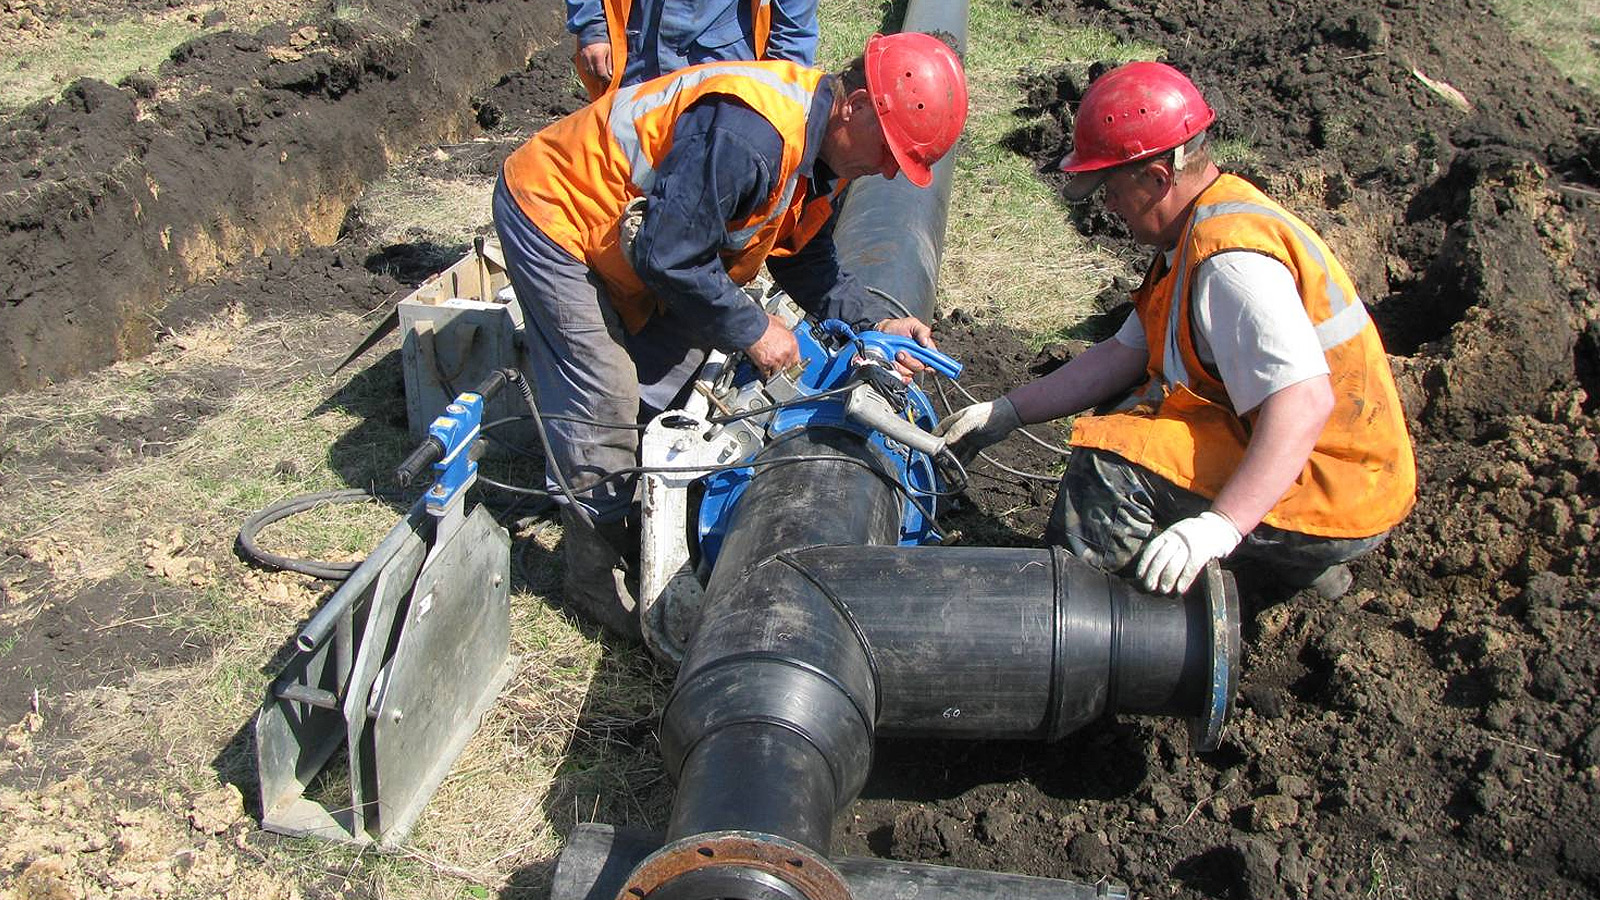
(1267, 426)
(629, 226)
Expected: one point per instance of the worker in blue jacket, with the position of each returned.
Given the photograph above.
(621, 42)
(626, 282)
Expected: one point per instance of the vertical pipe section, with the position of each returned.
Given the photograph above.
(890, 234)
(769, 726)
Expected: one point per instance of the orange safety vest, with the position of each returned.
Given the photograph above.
(1360, 479)
(574, 178)
(617, 34)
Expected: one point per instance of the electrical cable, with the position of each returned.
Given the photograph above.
(1031, 476)
(1054, 448)
(553, 468)
(316, 568)
(337, 571)
(909, 493)
(983, 455)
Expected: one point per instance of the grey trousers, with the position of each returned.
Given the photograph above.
(584, 364)
(1107, 508)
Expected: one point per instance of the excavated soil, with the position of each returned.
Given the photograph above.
(1433, 734)
(239, 144)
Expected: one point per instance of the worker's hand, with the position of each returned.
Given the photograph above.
(914, 328)
(776, 349)
(972, 428)
(596, 60)
(1172, 558)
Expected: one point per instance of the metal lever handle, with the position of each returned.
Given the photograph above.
(867, 407)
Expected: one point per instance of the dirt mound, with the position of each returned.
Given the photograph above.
(1433, 733)
(112, 195)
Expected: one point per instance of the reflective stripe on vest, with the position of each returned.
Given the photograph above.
(1346, 315)
(1360, 477)
(628, 108)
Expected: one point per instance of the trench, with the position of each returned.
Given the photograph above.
(113, 196)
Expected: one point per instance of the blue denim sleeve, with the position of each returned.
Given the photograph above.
(794, 31)
(587, 20)
(724, 160)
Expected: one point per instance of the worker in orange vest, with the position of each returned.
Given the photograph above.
(621, 42)
(630, 226)
(1263, 422)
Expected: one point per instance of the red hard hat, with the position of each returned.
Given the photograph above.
(920, 91)
(1134, 111)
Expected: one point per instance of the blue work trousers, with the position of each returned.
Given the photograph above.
(585, 364)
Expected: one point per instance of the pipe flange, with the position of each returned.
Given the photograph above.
(775, 866)
(1222, 608)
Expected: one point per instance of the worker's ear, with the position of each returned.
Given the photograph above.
(1160, 174)
(857, 103)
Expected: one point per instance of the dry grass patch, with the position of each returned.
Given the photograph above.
(1010, 254)
(570, 738)
(45, 46)
(407, 208)
(1568, 33)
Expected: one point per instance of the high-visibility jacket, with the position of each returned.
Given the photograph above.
(617, 12)
(1360, 479)
(574, 178)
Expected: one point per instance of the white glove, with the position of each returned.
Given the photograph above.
(972, 428)
(1173, 558)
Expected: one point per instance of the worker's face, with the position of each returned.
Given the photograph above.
(857, 147)
(1133, 193)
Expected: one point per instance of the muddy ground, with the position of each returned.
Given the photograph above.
(1433, 734)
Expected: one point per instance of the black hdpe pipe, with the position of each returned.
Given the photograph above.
(818, 633)
(890, 234)
(598, 858)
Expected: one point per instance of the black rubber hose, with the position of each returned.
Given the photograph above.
(316, 568)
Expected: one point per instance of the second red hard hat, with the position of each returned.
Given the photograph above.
(920, 92)
(1132, 112)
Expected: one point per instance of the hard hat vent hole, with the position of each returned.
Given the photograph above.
(1143, 111)
(922, 106)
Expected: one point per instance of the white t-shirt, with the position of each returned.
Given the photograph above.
(1250, 326)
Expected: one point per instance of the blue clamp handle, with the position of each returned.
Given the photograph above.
(456, 431)
(887, 345)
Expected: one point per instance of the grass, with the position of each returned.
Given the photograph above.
(43, 49)
(1010, 254)
(569, 739)
(1567, 32)
(404, 208)
(108, 52)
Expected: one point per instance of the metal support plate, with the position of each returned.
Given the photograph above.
(431, 631)
(294, 741)
(447, 669)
